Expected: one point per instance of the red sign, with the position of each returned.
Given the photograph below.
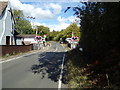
(38, 38)
(74, 38)
(45, 35)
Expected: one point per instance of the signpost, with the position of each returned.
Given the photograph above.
(44, 40)
(74, 40)
(38, 38)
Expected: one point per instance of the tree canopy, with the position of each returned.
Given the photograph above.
(100, 37)
(43, 30)
(67, 33)
(22, 25)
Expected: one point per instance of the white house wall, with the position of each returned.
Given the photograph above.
(1, 30)
(8, 27)
(32, 40)
(19, 41)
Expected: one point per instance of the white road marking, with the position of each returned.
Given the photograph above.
(17, 57)
(60, 79)
(56, 49)
(42, 57)
(20, 57)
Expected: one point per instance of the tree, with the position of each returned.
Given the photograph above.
(99, 28)
(43, 30)
(22, 25)
(72, 28)
(67, 33)
(100, 37)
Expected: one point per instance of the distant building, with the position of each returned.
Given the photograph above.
(25, 39)
(7, 22)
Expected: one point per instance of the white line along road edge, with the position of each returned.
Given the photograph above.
(21, 56)
(60, 79)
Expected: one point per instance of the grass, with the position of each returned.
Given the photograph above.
(76, 76)
(80, 76)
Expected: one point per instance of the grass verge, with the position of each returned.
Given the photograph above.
(83, 75)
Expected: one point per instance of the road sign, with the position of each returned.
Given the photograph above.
(74, 38)
(38, 38)
(45, 35)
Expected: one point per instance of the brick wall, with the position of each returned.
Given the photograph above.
(14, 49)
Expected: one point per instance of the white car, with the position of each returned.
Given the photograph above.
(68, 40)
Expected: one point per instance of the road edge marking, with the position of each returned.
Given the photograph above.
(19, 57)
(60, 79)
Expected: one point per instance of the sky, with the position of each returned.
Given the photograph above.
(49, 13)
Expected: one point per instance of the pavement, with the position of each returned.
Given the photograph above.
(40, 69)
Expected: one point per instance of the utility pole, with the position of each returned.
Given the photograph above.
(33, 21)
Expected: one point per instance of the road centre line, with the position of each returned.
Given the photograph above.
(60, 79)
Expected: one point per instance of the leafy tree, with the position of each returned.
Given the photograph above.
(99, 28)
(67, 33)
(72, 28)
(43, 30)
(22, 25)
(100, 37)
(52, 35)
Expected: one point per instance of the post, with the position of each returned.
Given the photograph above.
(72, 34)
(36, 30)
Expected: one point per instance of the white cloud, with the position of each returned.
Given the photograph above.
(3, 0)
(62, 23)
(61, 19)
(52, 27)
(56, 8)
(37, 24)
(58, 27)
(52, 0)
(71, 19)
(39, 13)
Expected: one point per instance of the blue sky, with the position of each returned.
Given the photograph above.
(49, 13)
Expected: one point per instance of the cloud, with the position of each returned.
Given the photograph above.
(56, 8)
(3, 0)
(34, 24)
(52, 27)
(39, 13)
(71, 19)
(58, 27)
(63, 23)
(53, 0)
(74, 19)
(61, 19)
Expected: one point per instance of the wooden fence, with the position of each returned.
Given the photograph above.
(14, 49)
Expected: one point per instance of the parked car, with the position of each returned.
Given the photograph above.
(68, 40)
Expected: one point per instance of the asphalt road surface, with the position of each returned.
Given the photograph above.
(38, 70)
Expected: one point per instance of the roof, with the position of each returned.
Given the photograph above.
(3, 5)
(27, 36)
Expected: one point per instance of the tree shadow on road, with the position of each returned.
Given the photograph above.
(49, 65)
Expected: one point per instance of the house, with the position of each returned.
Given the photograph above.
(25, 39)
(7, 22)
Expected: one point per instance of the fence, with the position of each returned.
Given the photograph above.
(14, 49)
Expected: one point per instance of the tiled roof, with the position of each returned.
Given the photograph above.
(2, 6)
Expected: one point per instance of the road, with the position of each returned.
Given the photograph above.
(38, 70)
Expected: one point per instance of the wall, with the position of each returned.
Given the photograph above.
(8, 26)
(19, 41)
(14, 49)
(32, 40)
